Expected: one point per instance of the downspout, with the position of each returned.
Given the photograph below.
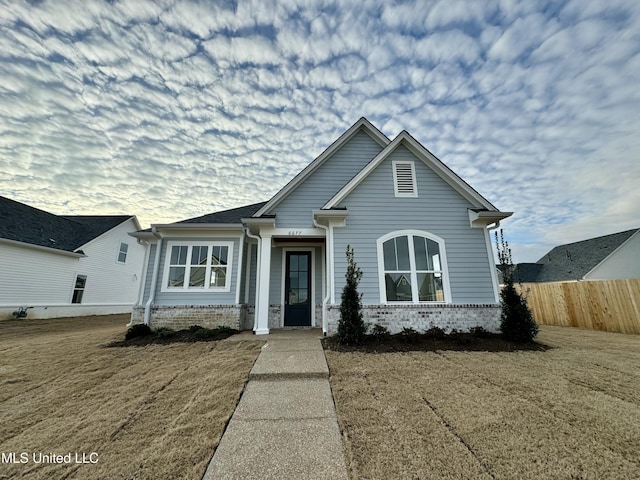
(143, 279)
(494, 275)
(325, 300)
(255, 301)
(154, 278)
(147, 248)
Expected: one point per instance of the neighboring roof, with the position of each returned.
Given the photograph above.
(361, 125)
(572, 261)
(233, 215)
(25, 224)
(524, 272)
(448, 175)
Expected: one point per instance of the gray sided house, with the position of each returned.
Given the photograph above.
(420, 234)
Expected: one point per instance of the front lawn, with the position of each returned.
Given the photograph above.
(147, 412)
(570, 412)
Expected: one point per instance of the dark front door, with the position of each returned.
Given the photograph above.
(297, 290)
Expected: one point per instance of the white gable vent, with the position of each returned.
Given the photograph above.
(404, 179)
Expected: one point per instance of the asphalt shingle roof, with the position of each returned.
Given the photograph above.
(233, 215)
(22, 223)
(572, 261)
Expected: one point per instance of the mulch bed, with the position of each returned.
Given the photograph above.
(180, 336)
(462, 342)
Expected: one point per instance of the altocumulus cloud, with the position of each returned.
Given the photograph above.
(175, 109)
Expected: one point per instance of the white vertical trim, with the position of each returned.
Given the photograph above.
(332, 268)
(262, 304)
(323, 276)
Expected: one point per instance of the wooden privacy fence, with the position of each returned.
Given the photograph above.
(609, 305)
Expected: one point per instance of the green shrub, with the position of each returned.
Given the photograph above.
(138, 330)
(379, 332)
(195, 328)
(351, 327)
(165, 332)
(479, 332)
(435, 332)
(225, 329)
(516, 320)
(203, 332)
(409, 335)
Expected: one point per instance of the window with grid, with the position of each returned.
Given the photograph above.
(122, 252)
(411, 268)
(78, 288)
(198, 266)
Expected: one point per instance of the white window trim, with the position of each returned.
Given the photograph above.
(413, 194)
(412, 261)
(186, 288)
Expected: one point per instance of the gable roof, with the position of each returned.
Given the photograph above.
(435, 164)
(361, 125)
(572, 261)
(66, 233)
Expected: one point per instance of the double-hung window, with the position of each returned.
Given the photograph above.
(78, 288)
(196, 266)
(412, 268)
(122, 252)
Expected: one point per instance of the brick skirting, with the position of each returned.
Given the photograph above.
(423, 317)
(179, 317)
(393, 317)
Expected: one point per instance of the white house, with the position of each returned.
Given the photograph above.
(56, 266)
(420, 235)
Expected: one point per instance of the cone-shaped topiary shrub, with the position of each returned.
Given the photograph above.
(351, 327)
(516, 321)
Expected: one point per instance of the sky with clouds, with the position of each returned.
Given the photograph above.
(170, 110)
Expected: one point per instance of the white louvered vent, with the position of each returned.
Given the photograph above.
(404, 179)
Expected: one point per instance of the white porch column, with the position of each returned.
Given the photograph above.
(264, 271)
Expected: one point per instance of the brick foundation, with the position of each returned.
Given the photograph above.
(393, 317)
(179, 317)
(423, 317)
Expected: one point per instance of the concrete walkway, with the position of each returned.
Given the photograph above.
(285, 424)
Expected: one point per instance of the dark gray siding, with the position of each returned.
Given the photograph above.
(295, 210)
(375, 211)
(196, 297)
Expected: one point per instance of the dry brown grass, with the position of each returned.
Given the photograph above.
(572, 412)
(149, 412)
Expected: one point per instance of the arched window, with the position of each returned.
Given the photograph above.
(413, 268)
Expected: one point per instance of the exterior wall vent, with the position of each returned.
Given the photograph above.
(404, 179)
